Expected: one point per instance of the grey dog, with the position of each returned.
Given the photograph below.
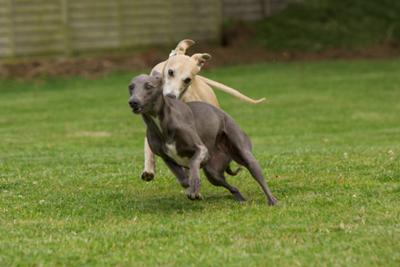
(194, 135)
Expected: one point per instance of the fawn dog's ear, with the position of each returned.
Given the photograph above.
(201, 58)
(183, 45)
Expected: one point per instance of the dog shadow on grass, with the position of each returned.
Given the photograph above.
(98, 205)
(171, 204)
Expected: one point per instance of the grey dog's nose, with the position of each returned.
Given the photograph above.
(171, 96)
(133, 103)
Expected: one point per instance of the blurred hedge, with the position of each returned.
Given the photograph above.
(315, 25)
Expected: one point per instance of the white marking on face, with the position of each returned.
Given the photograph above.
(171, 87)
(173, 154)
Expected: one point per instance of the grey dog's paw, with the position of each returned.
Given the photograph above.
(194, 196)
(273, 201)
(238, 197)
(184, 183)
(147, 176)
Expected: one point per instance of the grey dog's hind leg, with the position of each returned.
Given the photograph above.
(214, 171)
(239, 146)
(247, 159)
(218, 179)
(231, 172)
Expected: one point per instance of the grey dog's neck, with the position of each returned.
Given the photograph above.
(154, 117)
(157, 107)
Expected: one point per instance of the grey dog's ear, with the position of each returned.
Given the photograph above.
(201, 58)
(157, 77)
(155, 74)
(183, 45)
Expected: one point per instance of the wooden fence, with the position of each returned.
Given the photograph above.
(37, 27)
(32, 27)
(253, 9)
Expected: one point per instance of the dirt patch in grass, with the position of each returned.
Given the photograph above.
(239, 52)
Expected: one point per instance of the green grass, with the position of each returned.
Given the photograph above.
(315, 25)
(328, 141)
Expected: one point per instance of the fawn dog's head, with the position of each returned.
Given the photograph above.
(180, 70)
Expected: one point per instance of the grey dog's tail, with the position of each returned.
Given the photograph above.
(229, 171)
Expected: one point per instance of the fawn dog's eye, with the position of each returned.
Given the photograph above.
(171, 73)
(187, 80)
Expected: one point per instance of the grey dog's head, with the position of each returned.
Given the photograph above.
(145, 91)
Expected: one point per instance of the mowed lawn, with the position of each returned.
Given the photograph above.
(328, 140)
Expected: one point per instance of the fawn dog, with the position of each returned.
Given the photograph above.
(180, 80)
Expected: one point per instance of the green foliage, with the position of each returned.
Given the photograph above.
(328, 141)
(314, 25)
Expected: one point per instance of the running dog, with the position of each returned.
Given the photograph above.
(191, 136)
(181, 81)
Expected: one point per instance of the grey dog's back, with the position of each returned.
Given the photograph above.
(210, 120)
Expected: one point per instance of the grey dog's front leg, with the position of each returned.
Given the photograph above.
(179, 173)
(193, 192)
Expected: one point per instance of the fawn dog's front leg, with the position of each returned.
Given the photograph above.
(149, 162)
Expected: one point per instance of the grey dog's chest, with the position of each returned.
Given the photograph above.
(170, 149)
(166, 143)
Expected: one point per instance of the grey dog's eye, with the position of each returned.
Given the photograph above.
(131, 87)
(171, 73)
(187, 80)
(148, 86)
